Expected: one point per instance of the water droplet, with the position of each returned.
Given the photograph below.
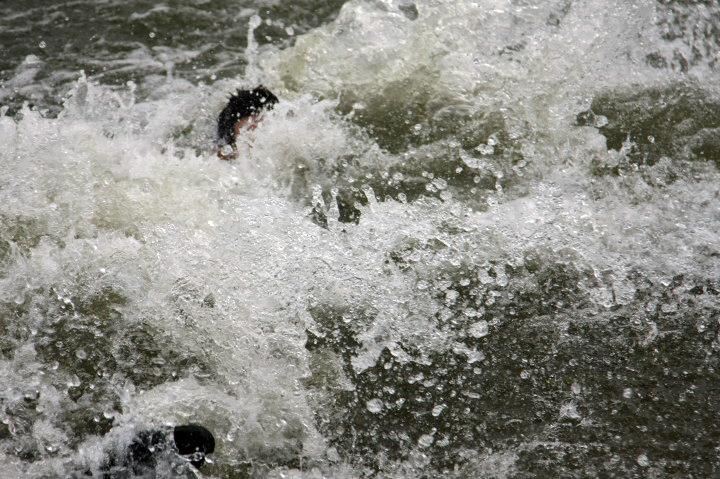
(484, 276)
(81, 354)
(525, 374)
(600, 121)
(437, 410)
(42, 44)
(569, 411)
(151, 34)
(501, 278)
(374, 405)
(485, 149)
(426, 440)
(479, 329)
(440, 183)
(422, 285)
(472, 162)
(475, 356)
(643, 460)
(627, 393)
(332, 454)
(668, 308)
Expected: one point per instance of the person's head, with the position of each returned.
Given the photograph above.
(242, 111)
(195, 441)
(150, 448)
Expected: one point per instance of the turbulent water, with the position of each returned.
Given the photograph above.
(474, 239)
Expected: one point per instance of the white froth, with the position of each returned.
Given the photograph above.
(114, 194)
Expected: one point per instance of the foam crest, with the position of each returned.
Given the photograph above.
(475, 54)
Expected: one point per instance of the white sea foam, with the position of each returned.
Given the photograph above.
(222, 258)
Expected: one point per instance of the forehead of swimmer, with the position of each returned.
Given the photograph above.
(194, 438)
(247, 123)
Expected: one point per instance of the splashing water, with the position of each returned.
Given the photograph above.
(474, 239)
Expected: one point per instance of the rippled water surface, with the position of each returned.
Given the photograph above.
(473, 239)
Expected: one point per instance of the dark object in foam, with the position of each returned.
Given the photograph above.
(245, 103)
(151, 451)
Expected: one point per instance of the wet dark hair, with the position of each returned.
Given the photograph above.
(151, 449)
(243, 104)
(191, 439)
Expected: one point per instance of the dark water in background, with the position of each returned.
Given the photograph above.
(116, 41)
(474, 239)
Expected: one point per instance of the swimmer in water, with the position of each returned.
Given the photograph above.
(180, 449)
(243, 112)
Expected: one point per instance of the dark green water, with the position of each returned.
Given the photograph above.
(114, 42)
